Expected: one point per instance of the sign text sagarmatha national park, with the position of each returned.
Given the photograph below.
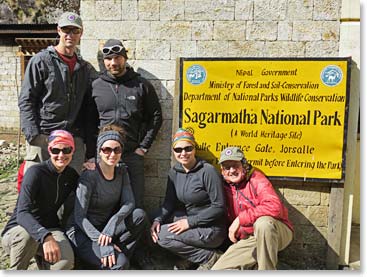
(287, 115)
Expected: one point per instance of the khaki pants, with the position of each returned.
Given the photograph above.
(37, 152)
(270, 237)
(21, 248)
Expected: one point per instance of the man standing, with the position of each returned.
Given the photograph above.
(34, 228)
(126, 99)
(55, 94)
(259, 225)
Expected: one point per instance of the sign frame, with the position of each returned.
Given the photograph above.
(348, 61)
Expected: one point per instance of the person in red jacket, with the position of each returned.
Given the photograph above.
(259, 225)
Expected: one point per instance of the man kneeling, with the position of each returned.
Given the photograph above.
(259, 221)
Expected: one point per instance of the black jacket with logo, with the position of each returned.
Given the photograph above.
(129, 101)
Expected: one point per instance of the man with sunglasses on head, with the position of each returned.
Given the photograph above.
(56, 94)
(34, 229)
(126, 99)
(258, 220)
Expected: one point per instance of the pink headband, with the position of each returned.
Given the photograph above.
(60, 137)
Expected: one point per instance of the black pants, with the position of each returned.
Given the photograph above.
(128, 233)
(196, 245)
(135, 167)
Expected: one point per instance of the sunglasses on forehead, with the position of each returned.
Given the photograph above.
(109, 150)
(66, 150)
(112, 49)
(180, 149)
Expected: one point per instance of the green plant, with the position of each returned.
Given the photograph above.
(8, 166)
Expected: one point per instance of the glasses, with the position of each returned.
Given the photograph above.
(68, 30)
(109, 150)
(180, 149)
(229, 166)
(112, 49)
(66, 150)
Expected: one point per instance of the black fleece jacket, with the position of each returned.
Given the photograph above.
(43, 192)
(200, 191)
(129, 101)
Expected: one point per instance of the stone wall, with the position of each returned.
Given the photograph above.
(308, 206)
(9, 78)
(157, 32)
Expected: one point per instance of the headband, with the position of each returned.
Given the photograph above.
(183, 135)
(109, 135)
(60, 137)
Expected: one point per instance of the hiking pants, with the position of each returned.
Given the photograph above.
(270, 237)
(196, 245)
(22, 248)
(129, 232)
(135, 167)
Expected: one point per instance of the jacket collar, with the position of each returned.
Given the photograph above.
(199, 164)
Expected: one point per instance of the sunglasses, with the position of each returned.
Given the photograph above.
(112, 49)
(229, 166)
(66, 150)
(68, 30)
(109, 150)
(180, 149)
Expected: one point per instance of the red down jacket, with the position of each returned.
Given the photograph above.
(252, 200)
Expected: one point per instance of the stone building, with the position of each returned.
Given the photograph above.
(157, 32)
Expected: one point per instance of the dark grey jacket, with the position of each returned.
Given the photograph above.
(51, 99)
(102, 205)
(129, 101)
(201, 193)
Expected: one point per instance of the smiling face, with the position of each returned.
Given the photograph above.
(61, 159)
(69, 36)
(233, 171)
(185, 154)
(110, 152)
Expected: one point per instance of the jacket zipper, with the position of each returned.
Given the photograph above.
(57, 188)
(117, 116)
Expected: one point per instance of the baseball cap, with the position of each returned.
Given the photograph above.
(231, 154)
(70, 19)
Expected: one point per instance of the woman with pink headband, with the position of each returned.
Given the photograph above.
(34, 229)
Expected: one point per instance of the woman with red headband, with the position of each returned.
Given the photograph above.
(106, 223)
(34, 228)
(198, 228)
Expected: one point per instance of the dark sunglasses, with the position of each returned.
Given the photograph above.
(68, 30)
(66, 150)
(112, 49)
(180, 149)
(234, 166)
(109, 150)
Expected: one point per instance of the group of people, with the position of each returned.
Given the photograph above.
(81, 197)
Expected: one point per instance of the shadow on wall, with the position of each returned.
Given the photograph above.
(309, 248)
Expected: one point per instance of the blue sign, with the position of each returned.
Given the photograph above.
(331, 75)
(196, 74)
